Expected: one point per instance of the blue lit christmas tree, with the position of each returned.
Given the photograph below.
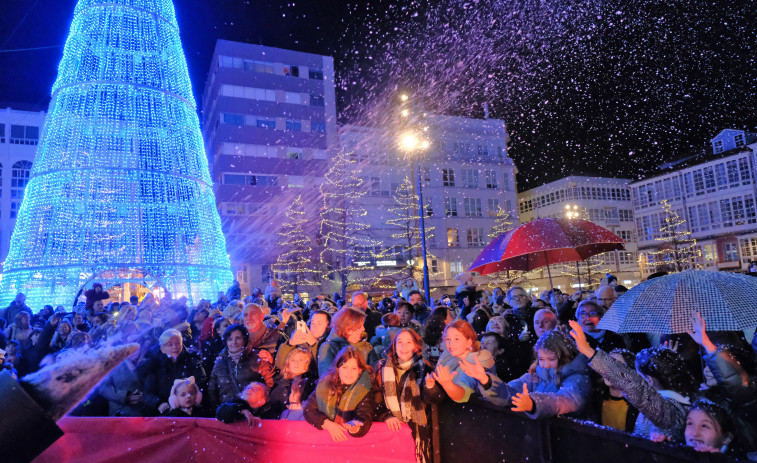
(120, 189)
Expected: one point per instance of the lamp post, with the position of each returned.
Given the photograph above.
(413, 143)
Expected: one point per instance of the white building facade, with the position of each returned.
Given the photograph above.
(466, 178)
(604, 201)
(715, 195)
(19, 135)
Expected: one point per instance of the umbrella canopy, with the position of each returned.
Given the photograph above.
(666, 304)
(542, 242)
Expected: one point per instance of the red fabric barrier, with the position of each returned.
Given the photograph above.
(142, 440)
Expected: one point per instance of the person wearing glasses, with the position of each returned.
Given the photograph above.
(635, 342)
(521, 322)
(606, 296)
(588, 315)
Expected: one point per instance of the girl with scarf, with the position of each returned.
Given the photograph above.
(461, 344)
(342, 400)
(556, 384)
(660, 388)
(407, 389)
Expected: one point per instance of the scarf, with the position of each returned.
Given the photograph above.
(347, 401)
(407, 404)
(453, 363)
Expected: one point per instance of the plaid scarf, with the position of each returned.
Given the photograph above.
(407, 405)
(348, 400)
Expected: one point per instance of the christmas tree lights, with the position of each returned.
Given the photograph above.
(679, 250)
(294, 265)
(120, 189)
(346, 238)
(406, 223)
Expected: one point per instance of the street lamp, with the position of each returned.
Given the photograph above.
(414, 143)
(571, 212)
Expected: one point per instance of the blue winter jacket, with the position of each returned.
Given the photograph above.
(549, 397)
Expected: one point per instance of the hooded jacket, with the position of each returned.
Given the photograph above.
(554, 392)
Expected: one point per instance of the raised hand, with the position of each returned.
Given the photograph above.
(430, 382)
(578, 334)
(523, 401)
(672, 345)
(443, 375)
(474, 370)
(699, 333)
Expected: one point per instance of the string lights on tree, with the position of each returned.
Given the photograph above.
(120, 187)
(679, 251)
(407, 234)
(347, 245)
(294, 265)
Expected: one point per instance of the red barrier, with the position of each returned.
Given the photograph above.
(144, 440)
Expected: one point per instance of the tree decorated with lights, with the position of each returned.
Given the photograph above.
(504, 222)
(120, 189)
(294, 263)
(346, 240)
(407, 234)
(679, 250)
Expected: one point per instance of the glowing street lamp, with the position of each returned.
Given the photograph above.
(571, 211)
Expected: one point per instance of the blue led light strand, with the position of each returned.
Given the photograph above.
(120, 189)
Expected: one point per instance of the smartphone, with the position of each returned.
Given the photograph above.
(302, 326)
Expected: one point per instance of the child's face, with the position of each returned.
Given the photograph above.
(187, 395)
(349, 372)
(299, 364)
(703, 433)
(10, 350)
(547, 359)
(404, 346)
(254, 396)
(405, 315)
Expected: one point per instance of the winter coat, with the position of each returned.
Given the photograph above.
(209, 352)
(363, 413)
(157, 372)
(228, 378)
(32, 355)
(404, 290)
(333, 344)
(268, 340)
(468, 384)
(234, 292)
(659, 411)
(9, 313)
(607, 341)
(231, 410)
(278, 400)
(114, 389)
(554, 392)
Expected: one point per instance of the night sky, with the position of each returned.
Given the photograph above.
(609, 87)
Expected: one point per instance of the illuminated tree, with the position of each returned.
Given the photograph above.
(346, 243)
(405, 221)
(503, 222)
(294, 263)
(679, 250)
(120, 187)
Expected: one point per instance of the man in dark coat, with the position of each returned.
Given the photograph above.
(95, 294)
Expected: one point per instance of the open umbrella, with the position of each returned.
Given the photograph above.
(542, 242)
(666, 304)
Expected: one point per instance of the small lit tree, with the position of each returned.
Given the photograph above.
(405, 222)
(294, 262)
(504, 222)
(679, 250)
(344, 236)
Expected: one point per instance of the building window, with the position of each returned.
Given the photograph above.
(293, 126)
(318, 127)
(448, 177)
(493, 207)
(2, 133)
(434, 266)
(315, 74)
(739, 139)
(626, 215)
(316, 100)
(250, 180)
(475, 237)
(292, 70)
(731, 252)
(450, 207)
(269, 124)
(455, 267)
(472, 207)
(470, 178)
(294, 155)
(717, 147)
(232, 119)
(491, 179)
(453, 240)
(429, 208)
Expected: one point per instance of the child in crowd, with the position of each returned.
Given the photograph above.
(245, 407)
(185, 399)
(342, 401)
(294, 385)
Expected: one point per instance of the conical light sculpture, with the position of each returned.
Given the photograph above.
(120, 189)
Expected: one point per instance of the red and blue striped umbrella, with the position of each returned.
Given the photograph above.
(541, 242)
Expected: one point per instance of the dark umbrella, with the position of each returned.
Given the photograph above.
(542, 242)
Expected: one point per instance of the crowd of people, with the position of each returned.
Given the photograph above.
(344, 365)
